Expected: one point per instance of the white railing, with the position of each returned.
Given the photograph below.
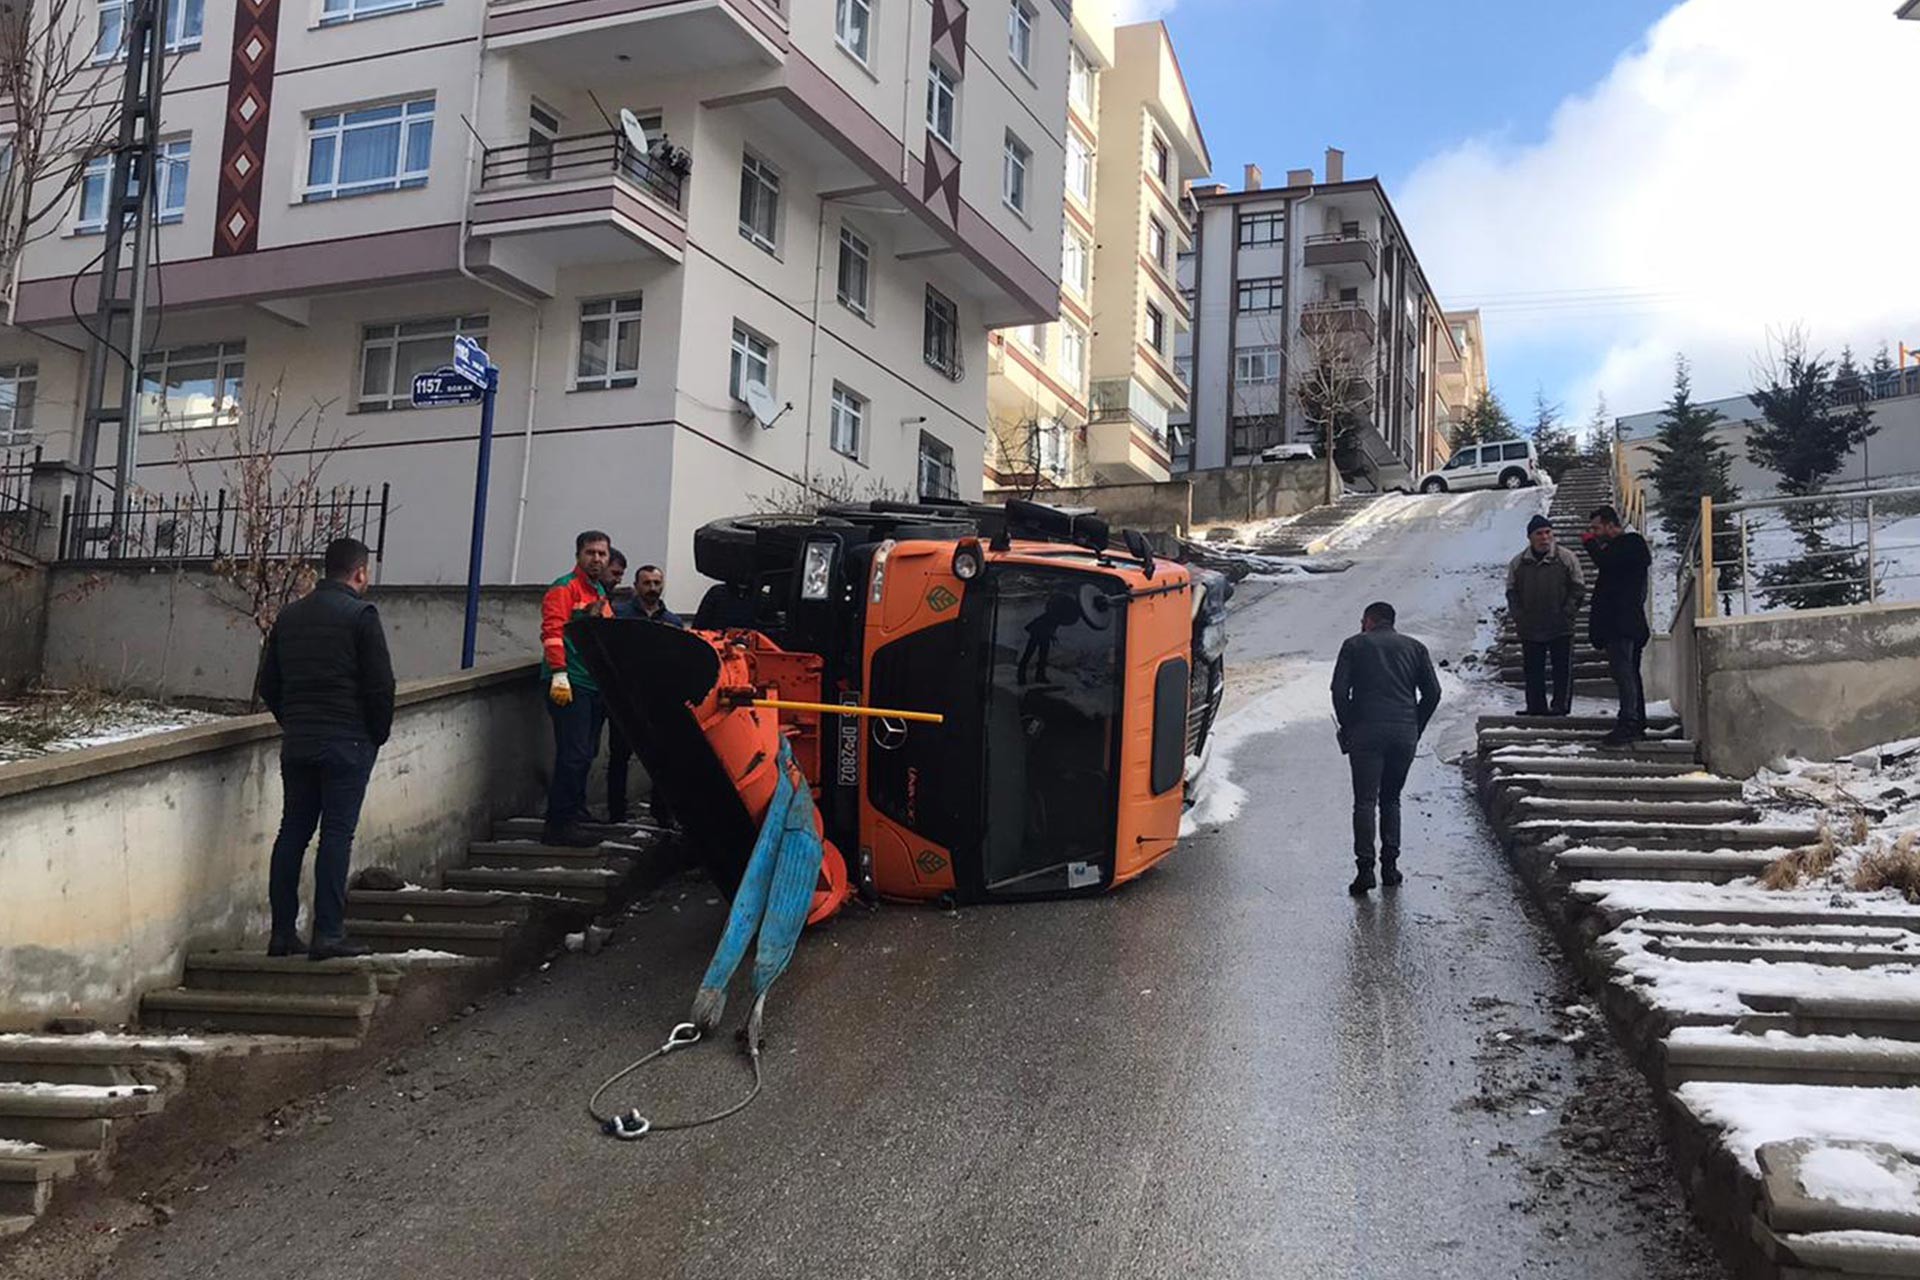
(1822, 550)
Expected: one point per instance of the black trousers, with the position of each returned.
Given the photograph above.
(1535, 655)
(576, 738)
(1380, 759)
(324, 783)
(1623, 659)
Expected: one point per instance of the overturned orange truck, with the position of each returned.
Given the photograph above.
(1025, 690)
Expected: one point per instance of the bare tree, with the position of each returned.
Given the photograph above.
(1330, 380)
(796, 497)
(60, 100)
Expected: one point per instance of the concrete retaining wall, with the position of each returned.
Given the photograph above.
(23, 604)
(117, 861)
(1151, 508)
(180, 633)
(1818, 683)
(1231, 495)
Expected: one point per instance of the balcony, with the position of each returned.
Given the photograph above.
(1318, 318)
(1344, 251)
(1127, 433)
(574, 201)
(600, 39)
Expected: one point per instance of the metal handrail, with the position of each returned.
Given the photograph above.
(581, 155)
(1827, 497)
(1342, 237)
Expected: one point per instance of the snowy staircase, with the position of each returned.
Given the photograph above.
(1578, 493)
(1761, 1012)
(67, 1101)
(1307, 534)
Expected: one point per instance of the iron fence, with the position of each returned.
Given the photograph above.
(172, 528)
(660, 174)
(19, 518)
(1824, 550)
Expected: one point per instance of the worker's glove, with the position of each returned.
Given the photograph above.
(560, 690)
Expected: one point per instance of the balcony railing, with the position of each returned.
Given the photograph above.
(1343, 248)
(1338, 316)
(583, 156)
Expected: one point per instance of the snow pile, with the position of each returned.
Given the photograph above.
(1216, 797)
(1848, 1175)
(56, 721)
(1714, 988)
(1869, 807)
(1752, 1115)
(96, 1092)
(11, 1147)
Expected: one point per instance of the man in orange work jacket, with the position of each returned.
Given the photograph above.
(573, 700)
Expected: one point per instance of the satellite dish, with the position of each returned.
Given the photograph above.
(636, 133)
(760, 403)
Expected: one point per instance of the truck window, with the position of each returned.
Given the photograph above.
(1170, 693)
(1051, 728)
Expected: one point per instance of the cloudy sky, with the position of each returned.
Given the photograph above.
(1611, 181)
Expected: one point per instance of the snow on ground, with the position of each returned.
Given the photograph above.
(10, 1147)
(1751, 1115)
(1869, 804)
(1848, 1175)
(48, 1089)
(1714, 987)
(55, 721)
(1658, 895)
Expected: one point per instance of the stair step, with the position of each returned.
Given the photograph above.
(1638, 810)
(436, 905)
(1658, 864)
(332, 1017)
(39, 1100)
(14, 1224)
(632, 832)
(1716, 1054)
(1661, 724)
(1704, 837)
(1682, 787)
(26, 1180)
(524, 855)
(1660, 750)
(587, 886)
(1836, 1256)
(290, 975)
(1782, 917)
(1551, 731)
(485, 939)
(1510, 761)
(1826, 957)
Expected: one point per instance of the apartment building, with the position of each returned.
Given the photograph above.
(1088, 400)
(1314, 280)
(838, 199)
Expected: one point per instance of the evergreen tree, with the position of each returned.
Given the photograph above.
(1596, 448)
(1487, 420)
(1805, 432)
(1882, 373)
(1553, 441)
(1689, 462)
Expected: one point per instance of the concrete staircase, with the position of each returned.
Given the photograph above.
(1306, 535)
(1582, 825)
(1578, 493)
(271, 1029)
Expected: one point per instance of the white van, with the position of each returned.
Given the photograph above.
(1502, 464)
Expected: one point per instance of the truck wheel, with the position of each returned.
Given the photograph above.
(729, 549)
(1513, 479)
(1434, 484)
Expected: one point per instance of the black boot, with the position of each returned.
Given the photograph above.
(1363, 881)
(1390, 877)
(567, 835)
(285, 944)
(337, 949)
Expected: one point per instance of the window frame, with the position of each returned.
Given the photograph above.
(100, 168)
(362, 10)
(1073, 338)
(741, 351)
(1080, 70)
(843, 11)
(1273, 222)
(845, 404)
(1016, 174)
(1156, 323)
(1077, 149)
(943, 357)
(230, 371)
(1160, 160)
(391, 338)
(1020, 19)
(1158, 241)
(415, 114)
(1272, 287)
(19, 391)
(948, 474)
(1244, 360)
(943, 84)
(179, 42)
(765, 180)
(1081, 281)
(622, 310)
(857, 248)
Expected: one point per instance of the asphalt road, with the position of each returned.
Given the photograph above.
(1227, 1069)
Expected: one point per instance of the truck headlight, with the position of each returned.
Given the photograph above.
(816, 571)
(967, 560)
(880, 556)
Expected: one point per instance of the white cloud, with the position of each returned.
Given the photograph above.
(1750, 165)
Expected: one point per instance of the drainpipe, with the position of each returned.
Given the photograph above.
(813, 347)
(526, 445)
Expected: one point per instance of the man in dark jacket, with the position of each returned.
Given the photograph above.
(1617, 623)
(646, 604)
(1544, 591)
(1385, 690)
(327, 679)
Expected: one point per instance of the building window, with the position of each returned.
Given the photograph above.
(942, 334)
(1075, 262)
(1073, 352)
(855, 273)
(188, 387)
(752, 362)
(356, 153)
(1031, 336)
(1262, 228)
(1053, 448)
(1263, 294)
(1157, 242)
(759, 202)
(1020, 33)
(609, 344)
(1180, 440)
(18, 383)
(1079, 79)
(937, 477)
(943, 93)
(390, 354)
(1013, 176)
(1079, 168)
(846, 422)
(1251, 435)
(338, 11)
(1162, 160)
(183, 23)
(853, 26)
(1257, 366)
(1183, 370)
(170, 201)
(1156, 328)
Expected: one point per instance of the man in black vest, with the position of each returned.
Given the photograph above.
(1384, 691)
(327, 679)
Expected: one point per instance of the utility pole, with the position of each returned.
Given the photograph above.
(120, 311)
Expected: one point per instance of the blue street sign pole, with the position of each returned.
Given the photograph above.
(481, 470)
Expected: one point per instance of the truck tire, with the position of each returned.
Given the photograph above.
(728, 549)
(1434, 484)
(1513, 478)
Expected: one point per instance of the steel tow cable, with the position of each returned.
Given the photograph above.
(631, 1126)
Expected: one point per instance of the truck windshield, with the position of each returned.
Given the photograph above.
(1053, 694)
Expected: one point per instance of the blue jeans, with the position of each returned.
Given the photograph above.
(324, 782)
(1623, 660)
(576, 740)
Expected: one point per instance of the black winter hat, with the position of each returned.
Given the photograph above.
(1538, 522)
